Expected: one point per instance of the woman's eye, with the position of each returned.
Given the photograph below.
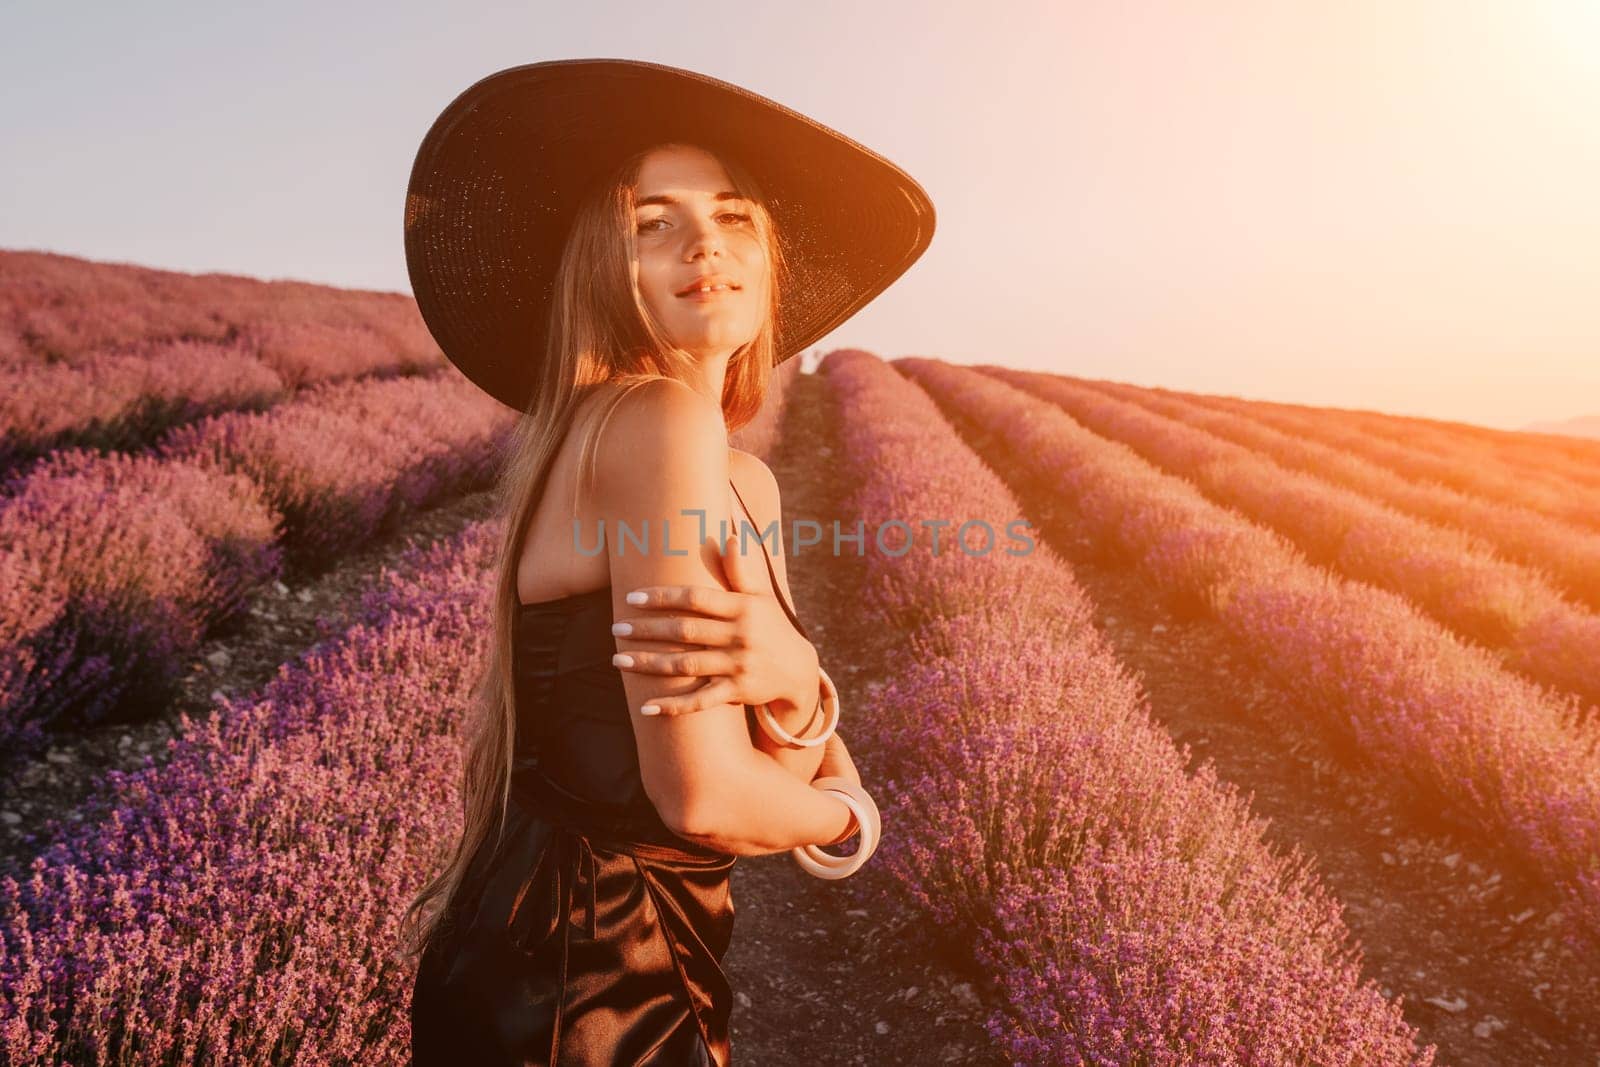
(645, 226)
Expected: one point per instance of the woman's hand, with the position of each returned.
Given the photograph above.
(751, 653)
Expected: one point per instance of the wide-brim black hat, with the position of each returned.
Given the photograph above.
(500, 171)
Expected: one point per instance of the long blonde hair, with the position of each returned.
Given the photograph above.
(602, 335)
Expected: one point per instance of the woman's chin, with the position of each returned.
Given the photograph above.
(711, 340)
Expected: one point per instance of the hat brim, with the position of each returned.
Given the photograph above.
(497, 177)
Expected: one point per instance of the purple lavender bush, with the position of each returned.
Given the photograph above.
(239, 903)
(344, 459)
(126, 561)
(120, 399)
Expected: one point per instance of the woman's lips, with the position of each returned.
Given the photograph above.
(712, 295)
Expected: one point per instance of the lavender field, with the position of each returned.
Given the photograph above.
(1281, 745)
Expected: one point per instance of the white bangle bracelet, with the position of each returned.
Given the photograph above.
(820, 864)
(830, 704)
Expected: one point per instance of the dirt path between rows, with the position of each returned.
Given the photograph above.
(823, 972)
(1472, 943)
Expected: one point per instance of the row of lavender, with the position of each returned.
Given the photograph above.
(1508, 760)
(1131, 912)
(109, 355)
(1568, 553)
(1562, 489)
(119, 565)
(1543, 456)
(1446, 570)
(239, 903)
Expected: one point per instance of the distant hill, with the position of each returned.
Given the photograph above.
(1581, 426)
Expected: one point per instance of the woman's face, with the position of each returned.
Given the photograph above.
(689, 225)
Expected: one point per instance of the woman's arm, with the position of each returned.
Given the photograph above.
(662, 484)
(761, 492)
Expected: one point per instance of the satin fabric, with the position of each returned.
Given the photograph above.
(587, 933)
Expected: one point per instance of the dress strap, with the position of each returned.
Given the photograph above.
(771, 574)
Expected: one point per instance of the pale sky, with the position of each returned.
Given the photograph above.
(1386, 204)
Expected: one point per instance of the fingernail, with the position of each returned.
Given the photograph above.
(650, 709)
(622, 629)
(636, 597)
(622, 659)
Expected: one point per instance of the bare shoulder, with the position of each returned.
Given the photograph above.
(661, 422)
(758, 484)
(656, 405)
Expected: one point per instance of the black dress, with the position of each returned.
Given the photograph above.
(593, 935)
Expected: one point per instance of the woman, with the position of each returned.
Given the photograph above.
(579, 251)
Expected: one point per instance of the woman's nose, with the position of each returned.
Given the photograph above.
(704, 237)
